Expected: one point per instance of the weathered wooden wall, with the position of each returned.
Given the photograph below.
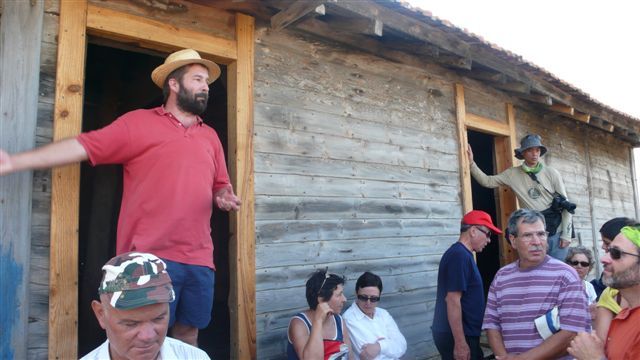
(356, 169)
(20, 38)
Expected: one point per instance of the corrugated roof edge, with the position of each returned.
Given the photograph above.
(510, 56)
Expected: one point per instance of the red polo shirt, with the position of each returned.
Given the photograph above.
(170, 176)
(623, 339)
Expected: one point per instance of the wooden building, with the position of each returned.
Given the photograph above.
(346, 130)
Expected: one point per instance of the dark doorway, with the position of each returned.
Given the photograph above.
(485, 199)
(117, 81)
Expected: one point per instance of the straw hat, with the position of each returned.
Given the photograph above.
(181, 58)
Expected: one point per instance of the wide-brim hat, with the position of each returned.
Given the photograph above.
(181, 58)
(528, 142)
(479, 217)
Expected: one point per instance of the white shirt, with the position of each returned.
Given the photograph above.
(381, 329)
(171, 349)
(591, 292)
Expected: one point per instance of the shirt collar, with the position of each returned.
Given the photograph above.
(360, 314)
(160, 110)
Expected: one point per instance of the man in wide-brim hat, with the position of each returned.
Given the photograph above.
(535, 184)
(174, 170)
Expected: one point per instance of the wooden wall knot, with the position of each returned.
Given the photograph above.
(64, 113)
(74, 88)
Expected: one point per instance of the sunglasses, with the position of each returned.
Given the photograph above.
(326, 276)
(616, 253)
(581, 263)
(486, 233)
(365, 298)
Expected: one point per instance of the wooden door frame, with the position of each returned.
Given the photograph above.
(77, 19)
(504, 144)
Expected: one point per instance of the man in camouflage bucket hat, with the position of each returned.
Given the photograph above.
(135, 292)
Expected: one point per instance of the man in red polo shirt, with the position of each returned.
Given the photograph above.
(622, 272)
(174, 170)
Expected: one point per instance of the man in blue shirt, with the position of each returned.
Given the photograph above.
(460, 302)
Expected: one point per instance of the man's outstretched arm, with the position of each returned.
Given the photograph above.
(59, 153)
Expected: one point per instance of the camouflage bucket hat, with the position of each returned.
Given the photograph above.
(136, 279)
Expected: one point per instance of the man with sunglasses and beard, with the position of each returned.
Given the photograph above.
(373, 332)
(457, 317)
(174, 171)
(525, 296)
(622, 272)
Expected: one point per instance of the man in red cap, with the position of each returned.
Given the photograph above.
(457, 319)
(174, 171)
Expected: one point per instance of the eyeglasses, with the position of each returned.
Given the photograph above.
(581, 263)
(365, 298)
(616, 253)
(528, 237)
(326, 276)
(486, 233)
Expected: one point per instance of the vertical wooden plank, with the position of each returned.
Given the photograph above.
(65, 183)
(632, 160)
(20, 38)
(465, 173)
(242, 241)
(592, 210)
(508, 199)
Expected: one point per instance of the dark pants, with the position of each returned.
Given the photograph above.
(444, 343)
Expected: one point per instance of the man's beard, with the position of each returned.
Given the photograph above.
(192, 103)
(625, 279)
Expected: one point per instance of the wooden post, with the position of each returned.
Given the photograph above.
(465, 173)
(65, 184)
(242, 238)
(20, 34)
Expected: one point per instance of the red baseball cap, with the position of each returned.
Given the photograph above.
(479, 217)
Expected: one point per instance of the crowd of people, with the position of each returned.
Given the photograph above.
(161, 281)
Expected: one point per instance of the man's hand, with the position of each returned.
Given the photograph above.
(564, 243)
(226, 200)
(370, 351)
(461, 351)
(322, 311)
(470, 154)
(6, 165)
(586, 346)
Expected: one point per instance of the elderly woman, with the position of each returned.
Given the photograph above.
(581, 259)
(374, 334)
(319, 332)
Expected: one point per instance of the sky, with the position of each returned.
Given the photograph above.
(590, 44)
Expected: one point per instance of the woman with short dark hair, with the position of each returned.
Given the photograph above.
(319, 332)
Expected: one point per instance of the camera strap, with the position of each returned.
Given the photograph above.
(535, 178)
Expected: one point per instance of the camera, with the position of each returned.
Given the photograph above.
(560, 203)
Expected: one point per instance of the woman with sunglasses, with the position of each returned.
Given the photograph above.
(610, 302)
(320, 332)
(581, 260)
(374, 334)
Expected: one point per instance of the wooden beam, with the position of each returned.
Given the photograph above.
(562, 109)
(360, 42)
(487, 75)
(404, 24)
(158, 35)
(242, 267)
(20, 48)
(454, 61)
(364, 26)
(537, 98)
(465, 172)
(296, 11)
(65, 183)
(515, 87)
(580, 116)
(601, 124)
(486, 125)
